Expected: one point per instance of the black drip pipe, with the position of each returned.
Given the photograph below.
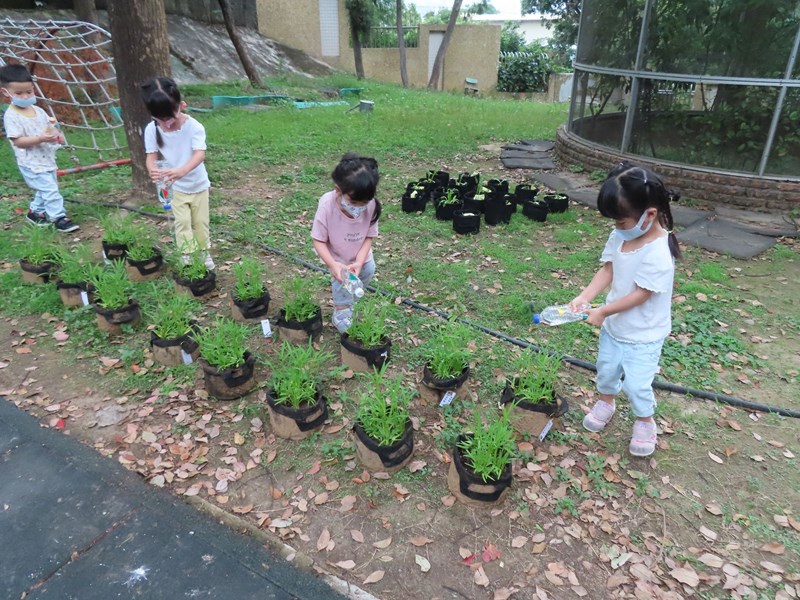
(660, 385)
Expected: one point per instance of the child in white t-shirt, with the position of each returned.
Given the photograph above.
(639, 265)
(344, 226)
(180, 140)
(35, 141)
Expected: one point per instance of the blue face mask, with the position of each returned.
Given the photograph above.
(23, 102)
(353, 211)
(636, 231)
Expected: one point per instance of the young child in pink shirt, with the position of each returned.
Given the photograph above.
(344, 226)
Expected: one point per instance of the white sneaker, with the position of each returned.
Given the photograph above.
(209, 263)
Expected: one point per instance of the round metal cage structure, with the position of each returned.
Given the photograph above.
(710, 84)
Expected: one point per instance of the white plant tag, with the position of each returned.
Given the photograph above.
(85, 298)
(187, 358)
(545, 430)
(265, 327)
(105, 258)
(447, 398)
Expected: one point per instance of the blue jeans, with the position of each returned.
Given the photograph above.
(639, 364)
(47, 198)
(341, 297)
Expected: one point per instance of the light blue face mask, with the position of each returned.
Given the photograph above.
(353, 211)
(23, 102)
(636, 231)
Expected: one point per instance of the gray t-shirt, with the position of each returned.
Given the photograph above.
(40, 158)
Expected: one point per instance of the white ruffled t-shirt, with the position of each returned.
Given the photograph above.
(177, 148)
(651, 267)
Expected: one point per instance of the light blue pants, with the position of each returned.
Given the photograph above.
(341, 297)
(639, 364)
(47, 198)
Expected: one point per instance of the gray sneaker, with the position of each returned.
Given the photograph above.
(342, 319)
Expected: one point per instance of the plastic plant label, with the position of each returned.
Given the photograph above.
(187, 358)
(85, 298)
(447, 398)
(545, 430)
(265, 327)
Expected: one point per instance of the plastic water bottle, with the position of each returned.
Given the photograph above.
(556, 315)
(352, 283)
(163, 188)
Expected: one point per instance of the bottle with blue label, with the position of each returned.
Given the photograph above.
(559, 314)
(352, 283)
(163, 188)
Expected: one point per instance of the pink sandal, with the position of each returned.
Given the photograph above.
(599, 416)
(643, 440)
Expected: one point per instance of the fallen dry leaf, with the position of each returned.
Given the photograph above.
(323, 540)
(714, 509)
(708, 534)
(348, 502)
(686, 575)
(346, 564)
(773, 547)
(374, 577)
(381, 544)
(449, 501)
(490, 553)
(357, 536)
(480, 577)
(420, 540)
(417, 465)
(519, 541)
(423, 563)
(503, 593)
(771, 566)
(715, 458)
(711, 560)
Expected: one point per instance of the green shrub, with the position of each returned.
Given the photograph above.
(296, 373)
(299, 304)
(537, 372)
(223, 343)
(112, 285)
(248, 283)
(447, 352)
(383, 407)
(490, 447)
(369, 321)
(527, 72)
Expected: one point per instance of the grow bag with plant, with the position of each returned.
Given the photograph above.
(77, 267)
(535, 210)
(173, 351)
(373, 357)
(39, 254)
(119, 233)
(447, 204)
(75, 294)
(229, 383)
(533, 418)
(485, 485)
(250, 298)
(498, 210)
(296, 423)
(414, 198)
(366, 346)
(112, 319)
(524, 192)
(196, 284)
(466, 222)
(391, 458)
(300, 319)
(556, 203)
(37, 273)
(144, 263)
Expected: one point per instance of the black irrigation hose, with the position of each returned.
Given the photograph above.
(660, 385)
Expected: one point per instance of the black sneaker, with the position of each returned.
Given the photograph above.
(65, 225)
(39, 219)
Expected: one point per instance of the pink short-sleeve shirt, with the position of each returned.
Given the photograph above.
(343, 234)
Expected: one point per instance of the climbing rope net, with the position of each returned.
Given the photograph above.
(74, 78)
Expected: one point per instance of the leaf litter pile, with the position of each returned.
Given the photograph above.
(713, 514)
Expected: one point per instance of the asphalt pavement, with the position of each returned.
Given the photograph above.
(77, 525)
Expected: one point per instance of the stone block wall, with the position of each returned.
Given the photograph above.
(743, 191)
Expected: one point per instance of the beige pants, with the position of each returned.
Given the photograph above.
(191, 221)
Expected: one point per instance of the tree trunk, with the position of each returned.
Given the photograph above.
(357, 58)
(141, 52)
(401, 44)
(86, 10)
(436, 71)
(241, 49)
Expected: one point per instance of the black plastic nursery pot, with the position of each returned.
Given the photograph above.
(534, 418)
(536, 210)
(445, 212)
(498, 211)
(299, 332)
(114, 251)
(175, 351)
(473, 205)
(524, 192)
(197, 288)
(145, 270)
(40, 273)
(250, 311)
(75, 294)
(414, 200)
(298, 423)
(390, 458)
(362, 359)
(498, 187)
(466, 222)
(111, 320)
(232, 383)
(470, 488)
(440, 177)
(556, 203)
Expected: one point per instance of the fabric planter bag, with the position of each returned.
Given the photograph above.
(556, 203)
(296, 423)
(470, 488)
(40, 273)
(197, 287)
(75, 294)
(535, 210)
(232, 383)
(250, 311)
(535, 419)
(384, 458)
(299, 332)
(171, 352)
(114, 251)
(111, 320)
(364, 360)
(466, 222)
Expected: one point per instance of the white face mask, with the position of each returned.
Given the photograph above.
(352, 210)
(636, 231)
